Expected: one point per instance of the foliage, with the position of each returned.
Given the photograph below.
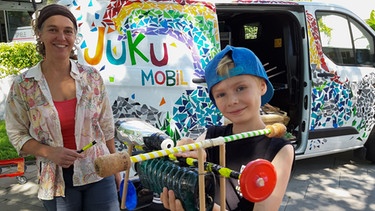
(251, 31)
(371, 20)
(16, 56)
(7, 150)
(324, 28)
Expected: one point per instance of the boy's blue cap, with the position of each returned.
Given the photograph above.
(245, 63)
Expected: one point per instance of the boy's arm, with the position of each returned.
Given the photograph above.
(282, 162)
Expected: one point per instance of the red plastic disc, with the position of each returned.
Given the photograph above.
(258, 180)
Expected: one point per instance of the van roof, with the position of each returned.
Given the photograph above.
(267, 2)
(320, 5)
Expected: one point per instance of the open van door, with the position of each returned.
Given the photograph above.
(320, 59)
(276, 33)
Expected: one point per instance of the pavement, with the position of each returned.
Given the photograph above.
(336, 182)
(20, 197)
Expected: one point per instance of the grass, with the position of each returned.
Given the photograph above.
(7, 150)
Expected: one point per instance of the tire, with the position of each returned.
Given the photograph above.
(370, 146)
(21, 180)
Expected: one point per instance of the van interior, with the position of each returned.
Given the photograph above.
(275, 37)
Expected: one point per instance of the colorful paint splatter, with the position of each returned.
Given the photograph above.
(122, 26)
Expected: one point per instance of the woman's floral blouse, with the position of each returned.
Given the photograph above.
(30, 114)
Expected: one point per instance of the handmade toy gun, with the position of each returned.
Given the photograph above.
(257, 180)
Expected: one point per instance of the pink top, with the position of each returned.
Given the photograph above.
(67, 112)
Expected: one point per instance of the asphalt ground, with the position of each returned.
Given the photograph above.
(335, 182)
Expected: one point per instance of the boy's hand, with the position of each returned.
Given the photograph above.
(188, 154)
(169, 200)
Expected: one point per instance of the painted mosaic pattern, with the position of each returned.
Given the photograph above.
(192, 113)
(193, 23)
(264, 2)
(337, 101)
(173, 20)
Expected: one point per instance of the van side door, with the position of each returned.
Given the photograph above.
(343, 93)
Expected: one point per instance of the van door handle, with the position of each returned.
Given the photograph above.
(199, 80)
(326, 74)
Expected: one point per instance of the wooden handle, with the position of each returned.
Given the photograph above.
(108, 165)
(278, 130)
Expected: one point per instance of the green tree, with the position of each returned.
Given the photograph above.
(371, 20)
(16, 56)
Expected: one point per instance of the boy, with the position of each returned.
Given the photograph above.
(238, 85)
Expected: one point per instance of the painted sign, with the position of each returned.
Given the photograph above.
(148, 52)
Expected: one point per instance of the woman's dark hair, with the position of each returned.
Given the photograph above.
(42, 15)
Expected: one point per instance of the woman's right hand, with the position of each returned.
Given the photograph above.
(169, 200)
(63, 157)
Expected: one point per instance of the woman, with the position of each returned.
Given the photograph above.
(238, 85)
(56, 108)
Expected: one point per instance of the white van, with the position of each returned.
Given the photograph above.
(320, 59)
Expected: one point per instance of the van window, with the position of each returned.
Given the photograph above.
(345, 41)
(251, 31)
(16, 26)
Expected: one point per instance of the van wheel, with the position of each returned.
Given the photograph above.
(360, 153)
(370, 146)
